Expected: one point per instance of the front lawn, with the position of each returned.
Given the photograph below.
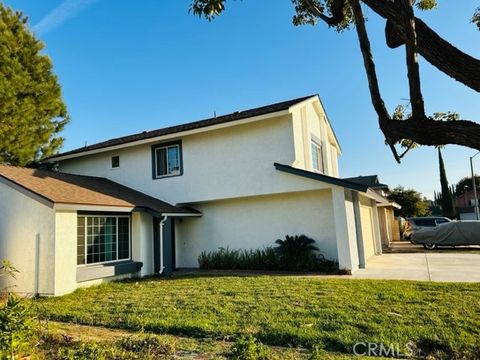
(333, 314)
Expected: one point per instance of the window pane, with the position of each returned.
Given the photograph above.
(161, 157)
(173, 160)
(320, 159)
(115, 161)
(100, 241)
(123, 238)
(80, 240)
(315, 159)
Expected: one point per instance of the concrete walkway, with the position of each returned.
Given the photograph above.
(423, 266)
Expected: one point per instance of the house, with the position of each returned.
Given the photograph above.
(389, 227)
(465, 205)
(53, 225)
(241, 180)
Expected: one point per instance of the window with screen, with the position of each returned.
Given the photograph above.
(167, 160)
(102, 239)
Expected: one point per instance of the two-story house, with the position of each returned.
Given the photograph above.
(152, 202)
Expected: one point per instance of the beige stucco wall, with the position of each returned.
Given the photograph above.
(309, 122)
(26, 222)
(351, 230)
(232, 162)
(65, 252)
(255, 222)
(142, 241)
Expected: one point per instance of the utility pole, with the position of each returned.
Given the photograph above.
(474, 187)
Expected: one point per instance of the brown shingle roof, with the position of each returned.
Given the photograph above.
(64, 188)
(238, 115)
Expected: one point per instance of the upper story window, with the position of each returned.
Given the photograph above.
(317, 157)
(115, 161)
(167, 160)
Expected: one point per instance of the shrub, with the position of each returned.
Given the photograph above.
(295, 253)
(15, 317)
(226, 259)
(248, 348)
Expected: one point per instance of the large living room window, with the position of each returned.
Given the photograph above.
(102, 239)
(317, 158)
(167, 160)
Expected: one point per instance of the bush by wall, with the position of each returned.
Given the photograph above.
(294, 253)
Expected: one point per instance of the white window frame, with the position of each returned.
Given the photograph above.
(321, 164)
(166, 147)
(85, 239)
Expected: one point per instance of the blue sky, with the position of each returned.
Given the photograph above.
(131, 66)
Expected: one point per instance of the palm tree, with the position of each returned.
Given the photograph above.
(296, 252)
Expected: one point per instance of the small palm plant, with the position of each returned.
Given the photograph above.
(296, 252)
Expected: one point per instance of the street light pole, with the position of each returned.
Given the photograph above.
(474, 187)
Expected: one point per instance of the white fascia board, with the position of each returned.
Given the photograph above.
(83, 207)
(174, 135)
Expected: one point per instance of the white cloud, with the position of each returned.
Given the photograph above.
(66, 10)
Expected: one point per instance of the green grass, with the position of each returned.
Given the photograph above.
(285, 311)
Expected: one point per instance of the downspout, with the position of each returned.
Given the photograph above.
(161, 243)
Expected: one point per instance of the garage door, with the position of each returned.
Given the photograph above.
(367, 230)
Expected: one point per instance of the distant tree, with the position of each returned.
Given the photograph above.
(465, 185)
(32, 112)
(402, 28)
(411, 201)
(446, 198)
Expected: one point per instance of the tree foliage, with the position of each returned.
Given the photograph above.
(411, 201)
(466, 185)
(446, 197)
(32, 112)
(402, 28)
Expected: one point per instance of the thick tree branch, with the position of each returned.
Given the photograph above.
(416, 98)
(365, 48)
(440, 53)
(430, 132)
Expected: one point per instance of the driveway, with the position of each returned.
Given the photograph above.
(427, 266)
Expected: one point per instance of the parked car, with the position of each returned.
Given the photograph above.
(417, 223)
(453, 233)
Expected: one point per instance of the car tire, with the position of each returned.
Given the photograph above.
(430, 246)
